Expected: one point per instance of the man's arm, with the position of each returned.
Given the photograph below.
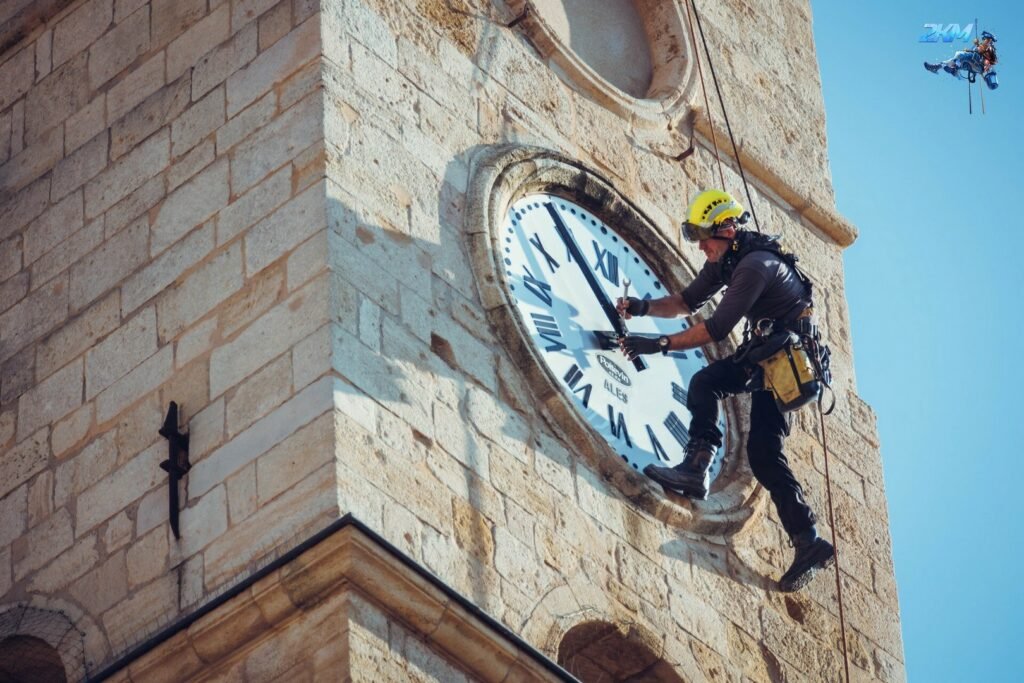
(691, 338)
(671, 306)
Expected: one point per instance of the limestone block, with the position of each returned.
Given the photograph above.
(274, 65)
(253, 205)
(287, 518)
(103, 587)
(67, 252)
(12, 291)
(518, 563)
(17, 375)
(277, 330)
(140, 105)
(19, 209)
(87, 467)
(473, 532)
(80, 166)
(85, 123)
(241, 488)
(10, 257)
(151, 512)
(131, 207)
(66, 567)
(277, 143)
(127, 174)
(118, 48)
(201, 119)
(135, 428)
(34, 160)
(201, 523)
(218, 278)
(130, 619)
(13, 515)
(71, 430)
(122, 486)
(53, 226)
(245, 11)
(311, 357)
(125, 8)
(310, 259)
(190, 164)
(214, 68)
(56, 97)
(197, 41)
(121, 352)
(17, 74)
(79, 29)
(195, 342)
(43, 543)
(78, 335)
(166, 268)
(50, 400)
(108, 265)
(34, 316)
(117, 532)
(147, 558)
(494, 421)
(5, 135)
(290, 461)
(260, 393)
(285, 229)
(172, 17)
(306, 406)
(143, 379)
(190, 205)
(275, 24)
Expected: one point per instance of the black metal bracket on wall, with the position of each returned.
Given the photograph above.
(176, 465)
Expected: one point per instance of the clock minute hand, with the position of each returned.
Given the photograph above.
(602, 299)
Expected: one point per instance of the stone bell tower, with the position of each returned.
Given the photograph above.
(285, 217)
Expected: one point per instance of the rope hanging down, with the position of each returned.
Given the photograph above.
(704, 90)
(692, 7)
(725, 115)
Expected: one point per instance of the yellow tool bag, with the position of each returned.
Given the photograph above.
(788, 371)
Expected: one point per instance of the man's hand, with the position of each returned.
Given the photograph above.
(633, 346)
(631, 306)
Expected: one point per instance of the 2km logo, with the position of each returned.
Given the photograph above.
(935, 32)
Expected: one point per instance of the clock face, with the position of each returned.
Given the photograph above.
(564, 267)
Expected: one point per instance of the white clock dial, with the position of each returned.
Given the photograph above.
(564, 308)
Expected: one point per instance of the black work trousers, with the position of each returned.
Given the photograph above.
(769, 428)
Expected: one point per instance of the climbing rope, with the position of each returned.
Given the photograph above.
(692, 16)
(835, 546)
(707, 105)
(725, 115)
(981, 90)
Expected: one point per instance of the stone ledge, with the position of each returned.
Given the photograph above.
(824, 218)
(347, 558)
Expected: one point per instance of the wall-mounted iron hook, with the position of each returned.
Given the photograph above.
(177, 464)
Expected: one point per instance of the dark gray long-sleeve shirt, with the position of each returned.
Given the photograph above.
(762, 286)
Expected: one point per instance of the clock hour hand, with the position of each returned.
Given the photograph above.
(602, 299)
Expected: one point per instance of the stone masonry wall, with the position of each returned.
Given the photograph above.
(256, 209)
(161, 188)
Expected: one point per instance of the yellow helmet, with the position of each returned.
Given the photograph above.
(707, 212)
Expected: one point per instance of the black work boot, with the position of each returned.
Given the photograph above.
(691, 476)
(811, 553)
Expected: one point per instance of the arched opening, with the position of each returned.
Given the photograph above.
(27, 659)
(609, 36)
(599, 652)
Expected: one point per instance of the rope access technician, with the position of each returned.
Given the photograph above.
(764, 285)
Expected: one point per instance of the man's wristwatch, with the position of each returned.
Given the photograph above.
(663, 345)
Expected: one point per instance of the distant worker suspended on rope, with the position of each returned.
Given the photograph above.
(978, 60)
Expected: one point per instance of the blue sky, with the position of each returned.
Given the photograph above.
(935, 292)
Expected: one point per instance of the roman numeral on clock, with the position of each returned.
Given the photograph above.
(679, 393)
(656, 445)
(607, 263)
(552, 263)
(618, 426)
(539, 288)
(547, 328)
(677, 429)
(572, 378)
